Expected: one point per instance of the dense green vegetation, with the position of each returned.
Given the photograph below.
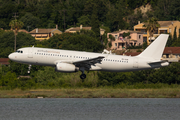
(46, 77)
(108, 14)
(115, 14)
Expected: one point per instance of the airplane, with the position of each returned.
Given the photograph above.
(72, 61)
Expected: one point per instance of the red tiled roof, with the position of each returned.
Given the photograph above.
(167, 50)
(4, 61)
(171, 50)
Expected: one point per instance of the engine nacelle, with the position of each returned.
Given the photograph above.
(65, 67)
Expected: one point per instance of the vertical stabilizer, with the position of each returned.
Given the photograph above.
(156, 48)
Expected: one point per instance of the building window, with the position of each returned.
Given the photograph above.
(116, 36)
(169, 30)
(139, 36)
(115, 44)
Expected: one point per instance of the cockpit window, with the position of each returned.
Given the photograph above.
(19, 51)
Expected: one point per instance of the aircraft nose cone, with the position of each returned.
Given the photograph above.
(11, 56)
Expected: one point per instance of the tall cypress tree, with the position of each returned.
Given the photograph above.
(169, 42)
(95, 22)
(175, 35)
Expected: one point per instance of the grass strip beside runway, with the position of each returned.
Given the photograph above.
(92, 93)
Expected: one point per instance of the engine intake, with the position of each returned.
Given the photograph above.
(65, 67)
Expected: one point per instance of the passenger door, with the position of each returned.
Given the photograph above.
(30, 53)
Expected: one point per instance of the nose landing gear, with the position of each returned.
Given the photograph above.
(29, 69)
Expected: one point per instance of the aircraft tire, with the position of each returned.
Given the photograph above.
(83, 76)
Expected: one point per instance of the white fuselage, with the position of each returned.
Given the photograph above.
(50, 57)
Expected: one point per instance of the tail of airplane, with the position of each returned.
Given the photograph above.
(156, 48)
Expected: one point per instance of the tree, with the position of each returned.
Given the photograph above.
(84, 20)
(151, 26)
(3, 25)
(168, 74)
(82, 42)
(116, 16)
(16, 25)
(30, 22)
(6, 42)
(167, 9)
(109, 43)
(56, 40)
(175, 35)
(170, 41)
(95, 22)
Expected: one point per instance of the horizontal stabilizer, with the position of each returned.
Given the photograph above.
(162, 61)
(159, 63)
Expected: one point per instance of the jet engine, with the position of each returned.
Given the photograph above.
(65, 67)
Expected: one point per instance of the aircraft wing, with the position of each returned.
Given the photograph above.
(91, 61)
(86, 63)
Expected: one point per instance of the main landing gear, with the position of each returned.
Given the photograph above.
(82, 76)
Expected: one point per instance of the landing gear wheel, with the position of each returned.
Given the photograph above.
(83, 76)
